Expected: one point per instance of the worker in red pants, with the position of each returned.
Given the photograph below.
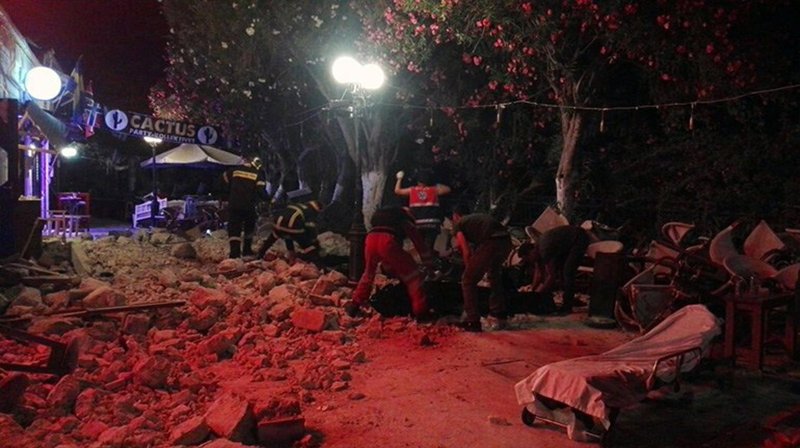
(384, 245)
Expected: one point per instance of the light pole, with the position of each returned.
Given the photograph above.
(153, 142)
(360, 79)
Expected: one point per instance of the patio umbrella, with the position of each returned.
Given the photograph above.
(193, 156)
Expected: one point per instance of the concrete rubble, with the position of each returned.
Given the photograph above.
(254, 345)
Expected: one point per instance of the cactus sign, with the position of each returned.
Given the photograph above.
(170, 130)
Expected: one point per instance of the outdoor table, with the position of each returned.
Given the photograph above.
(756, 308)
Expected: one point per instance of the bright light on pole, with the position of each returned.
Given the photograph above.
(152, 140)
(69, 152)
(345, 70)
(42, 83)
(372, 77)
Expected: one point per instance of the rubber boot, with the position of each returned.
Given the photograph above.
(236, 249)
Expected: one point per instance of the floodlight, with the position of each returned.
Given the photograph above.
(42, 83)
(346, 70)
(371, 77)
(69, 151)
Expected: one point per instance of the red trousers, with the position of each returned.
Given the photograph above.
(386, 249)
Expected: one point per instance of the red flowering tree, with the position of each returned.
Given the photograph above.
(565, 55)
(259, 68)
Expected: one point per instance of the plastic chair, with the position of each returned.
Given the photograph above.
(762, 242)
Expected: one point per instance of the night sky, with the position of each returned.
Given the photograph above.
(122, 43)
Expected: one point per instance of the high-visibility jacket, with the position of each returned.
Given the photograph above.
(424, 205)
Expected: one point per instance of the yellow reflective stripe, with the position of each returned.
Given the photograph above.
(279, 226)
(297, 214)
(234, 239)
(245, 175)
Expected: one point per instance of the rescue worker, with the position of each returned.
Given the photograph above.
(384, 245)
(297, 223)
(246, 186)
(423, 202)
(558, 251)
(484, 244)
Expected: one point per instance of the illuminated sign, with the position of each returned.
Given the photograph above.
(170, 130)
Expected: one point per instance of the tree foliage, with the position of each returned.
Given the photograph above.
(572, 55)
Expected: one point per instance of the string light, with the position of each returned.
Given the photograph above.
(500, 108)
(602, 109)
(612, 108)
(603, 121)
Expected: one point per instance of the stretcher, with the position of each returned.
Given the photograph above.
(585, 394)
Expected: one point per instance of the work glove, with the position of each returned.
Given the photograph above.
(400, 174)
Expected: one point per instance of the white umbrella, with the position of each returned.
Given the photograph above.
(194, 156)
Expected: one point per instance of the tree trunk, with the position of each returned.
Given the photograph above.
(571, 122)
(373, 183)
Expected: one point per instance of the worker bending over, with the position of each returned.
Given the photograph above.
(557, 252)
(484, 243)
(296, 224)
(384, 245)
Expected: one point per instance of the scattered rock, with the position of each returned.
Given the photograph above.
(309, 319)
(281, 431)
(152, 371)
(191, 432)
(102, 297)
(231, 417)
(54, 325)
(183, 250)
(63, 395)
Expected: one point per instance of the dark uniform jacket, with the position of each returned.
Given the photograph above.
(298, 218)
(246, 185)
(480, 227)
(400, 223)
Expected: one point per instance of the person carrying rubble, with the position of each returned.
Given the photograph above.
(384, 245)
(555, 252)
(423, 202)
(246, 187)
(484, 244)
(297, 223)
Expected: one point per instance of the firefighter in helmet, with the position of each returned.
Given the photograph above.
(246, 187)
(297, 223)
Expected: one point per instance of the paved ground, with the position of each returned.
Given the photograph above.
(459, 393)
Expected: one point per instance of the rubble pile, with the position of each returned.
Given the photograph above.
(251, 345)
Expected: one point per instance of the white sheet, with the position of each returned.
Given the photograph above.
(618, 378)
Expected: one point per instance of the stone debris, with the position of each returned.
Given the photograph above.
(254, 345)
